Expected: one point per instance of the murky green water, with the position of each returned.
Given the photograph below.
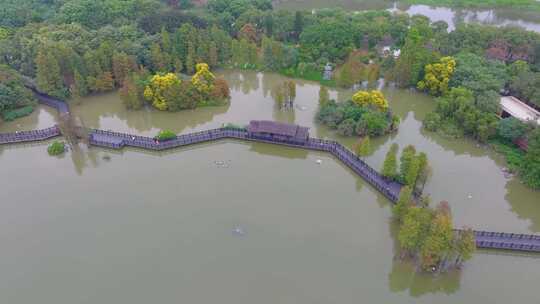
(142, 227)
(452, 16)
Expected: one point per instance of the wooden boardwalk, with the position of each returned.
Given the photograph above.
(29, 136)
(115, 140)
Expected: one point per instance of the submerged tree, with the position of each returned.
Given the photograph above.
(464, 246)
(390, 162)
(363, 147)
(323, 96)
(403, 203)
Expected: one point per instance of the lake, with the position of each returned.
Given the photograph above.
(99, 226)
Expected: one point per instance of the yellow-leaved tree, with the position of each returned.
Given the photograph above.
(158, 88)
(373, 98)
(203, 80)
(437, 76)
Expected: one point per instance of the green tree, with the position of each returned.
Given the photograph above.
(511, 129)
(190, 61)
(464, 246)
(130, 93)
(530, 169)
(411, 174)
(402, 205)
(414, 229)
(345, 78)
(49, 79)
(324, 97)
(390, 162)
(415, 55)
(363, 148)
(407, 157)
(439, 242)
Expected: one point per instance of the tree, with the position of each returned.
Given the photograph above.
(158, 87)
(298, 24)
(373, 99)
(363, 148)
(407, 157)
(414, 229)
(159, 58)
(439, 242)
(423, 172)
(345, 78)
(79, 87)
(104, 83)
(213, 55)
(347, 127)
(190, 61)
(411, 174)
(323, 96)
(122, 66)
(389, 170)
(432, 121)
(129, 93)
(478, 74)
(291, 91)
(415, 55)
(511, 129)
(203, 80)
(530, 168)
(48, 74)
(248, 32)
(373, 123)
(437, 76)
(464, 245)
(220, 90)
(403, 203)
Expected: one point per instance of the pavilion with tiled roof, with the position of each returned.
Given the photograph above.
(266, 129)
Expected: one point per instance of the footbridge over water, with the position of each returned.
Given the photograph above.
(292, 136)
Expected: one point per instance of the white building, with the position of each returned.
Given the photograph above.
(511, 106)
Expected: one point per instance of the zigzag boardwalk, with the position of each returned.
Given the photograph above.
(114, 140)
(118, 140)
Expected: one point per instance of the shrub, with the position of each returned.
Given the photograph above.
(164, 135)
(372, 123)
(14, 114)
(346, 127)
(513, 155)
(432, 121)
(232, 126)
(56, 148)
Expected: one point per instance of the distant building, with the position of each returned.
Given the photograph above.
(271, 130)
(511, 106)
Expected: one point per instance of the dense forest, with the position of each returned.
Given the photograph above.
(73, 48)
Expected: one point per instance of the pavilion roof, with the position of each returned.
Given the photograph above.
(278, 128)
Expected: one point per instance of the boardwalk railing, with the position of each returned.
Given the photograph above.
(117, 140)
(27, 136)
